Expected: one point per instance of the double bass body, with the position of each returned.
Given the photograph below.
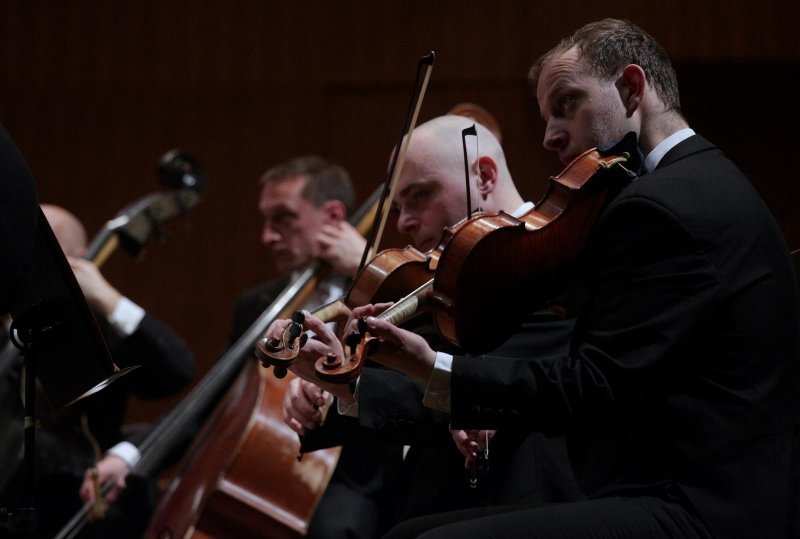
(243, 478)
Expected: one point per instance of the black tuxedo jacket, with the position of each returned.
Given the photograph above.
(166, 365)
(683, 373)
(63, 451)
(524, 468)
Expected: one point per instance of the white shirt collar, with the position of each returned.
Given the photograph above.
(327, 290)
(523, 209)
(654, 157)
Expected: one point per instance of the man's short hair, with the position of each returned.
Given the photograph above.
(324, 180)
(607, 46)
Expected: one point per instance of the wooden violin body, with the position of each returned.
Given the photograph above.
(390, 275)
(495, 269)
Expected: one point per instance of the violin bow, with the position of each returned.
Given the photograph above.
(464, 133)
(280, 353)
(424, 68)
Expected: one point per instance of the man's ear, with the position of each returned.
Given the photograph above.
(335, 211)
(487, 175)
(631, 86)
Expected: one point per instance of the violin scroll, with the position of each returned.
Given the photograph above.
(281, 353)
(340, 371)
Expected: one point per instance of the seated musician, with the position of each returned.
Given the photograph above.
(66, 445)
(430, 196)
(678, 393)
(305, 203)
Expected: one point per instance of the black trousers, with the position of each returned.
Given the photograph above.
(344, 513)
(616, 517)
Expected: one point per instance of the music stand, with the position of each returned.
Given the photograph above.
(58, 337)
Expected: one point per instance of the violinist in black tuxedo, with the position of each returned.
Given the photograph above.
(524, 467)
(678, 394)
(304, 203)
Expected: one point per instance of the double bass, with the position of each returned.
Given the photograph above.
(241, 476)
(131, 229)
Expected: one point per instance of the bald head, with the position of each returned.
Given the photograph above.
(432, 192)
(440, 141)
(69, 231)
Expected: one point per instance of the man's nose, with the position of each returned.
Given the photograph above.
(269, 236)
(407, 223)
(555, 139)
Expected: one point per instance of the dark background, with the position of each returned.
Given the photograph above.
(95, 92)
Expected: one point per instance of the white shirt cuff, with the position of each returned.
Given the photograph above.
(349, 409)
(437, 394)
(127, 452)
(126, 317)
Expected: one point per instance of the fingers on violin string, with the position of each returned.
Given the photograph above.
(372, 309)
(383, 329)
(362, 311)
(322, 331)
(276, 329)
(378, 308)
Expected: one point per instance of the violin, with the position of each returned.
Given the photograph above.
(494, 269)
(406, 273)
(389, 275)
(514, 262)
(281, 353)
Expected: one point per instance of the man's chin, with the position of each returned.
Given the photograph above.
(426, 245)
(567, 159)
(282, 263)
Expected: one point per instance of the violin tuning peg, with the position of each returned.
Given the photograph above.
(352, 341)
(294, 331)
(362, 326)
